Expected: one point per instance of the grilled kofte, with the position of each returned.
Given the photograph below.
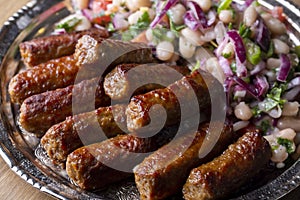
(164, 172)
(231, 170)
(83, 129)
(42, 49)
(192, 90)
(127, 80)
(39, 112)
(95, 166)
(51, 75)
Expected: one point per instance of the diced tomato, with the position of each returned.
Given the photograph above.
(102, 20)
(277, 12)
(99, 6)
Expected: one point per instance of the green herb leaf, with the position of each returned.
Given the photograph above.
(135, 29)
(225, 4)
(196, 66)
(265, 126)
(244, 31)
(69, 25)
(273, 98)
(256, 111)
(176, 28)
(143, 22)
(287, 143)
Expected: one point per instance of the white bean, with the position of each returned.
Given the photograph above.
(220, 31)
(204, 4)
(151, 13)
(164, 50)
(186, 49)
(134, 5)
(149, 34)
(287, 133)
(280, 165)
(279, 155)
(81, 4)
(250, 16)
(271, 139)
(289, 122)
(202, 54)
(270, 74)
(275, 112)
(275, 25)
(84, 23)
(242, 111)
(228, 51)
(280, 47)
(239, 125)
(273, 63)
(117, 2)
(226, 16)
(194, 37)
(208, 36)
(213, 67)
(171, 35)
(134, 17)
(176, 13)
(290, 109)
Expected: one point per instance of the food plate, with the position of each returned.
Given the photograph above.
(21, 151)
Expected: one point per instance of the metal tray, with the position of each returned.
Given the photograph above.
(21, 151)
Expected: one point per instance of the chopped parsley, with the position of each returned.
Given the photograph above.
(143, 22)
(176, 28)
(274, 99)
(256, 111)
(224, 5)
(227, 55)
(173, 27)
(265, 126)
(135, 29)
(244, 31)
(288, 144)
(196, 66)
(69, 25)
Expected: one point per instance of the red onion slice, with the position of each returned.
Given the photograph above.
(284, 68)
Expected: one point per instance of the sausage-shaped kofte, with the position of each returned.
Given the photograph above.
(98, 165)
(183, 95)
(165, 171)
(42, 49)
(61, 72)
(127, 80)
(83, 129)
(100, 56)
(56, 73)
(39, 112)
(231, 170)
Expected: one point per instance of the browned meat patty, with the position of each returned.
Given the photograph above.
(231, 170)
(127, 80)
(92, 167)
(191, 90)
(40, 50)
(165, 171)
(83, 129)
(39, 112)
(101, 56)
(56, 73)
